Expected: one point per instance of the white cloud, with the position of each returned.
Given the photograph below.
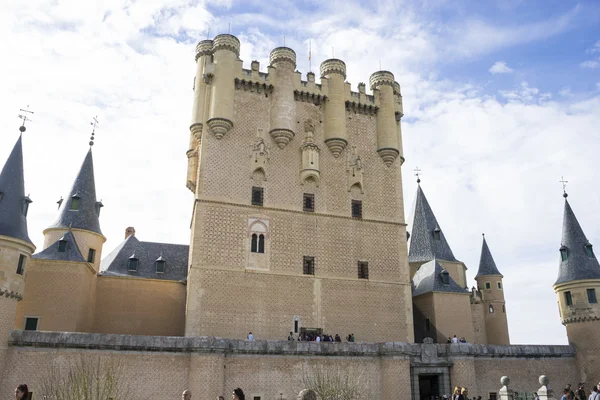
(132, 64)
(500, 67)
(594, 49)
(566, 92)
(592, 64)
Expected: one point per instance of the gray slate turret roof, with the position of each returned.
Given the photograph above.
(174, 255)
(423, 245)
(578, 264)
(487, 265)
(71, 253)
(84, 187)
(428, 278)
(12, 188)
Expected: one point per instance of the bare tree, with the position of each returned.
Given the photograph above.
(86, 378)
(332, 382)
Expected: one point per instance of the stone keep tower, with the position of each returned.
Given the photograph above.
(15, 246)
(67, 267)
(489, 281)
(577, 288)
(298, 219)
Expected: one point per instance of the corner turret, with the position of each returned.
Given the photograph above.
(225, 53)
(333, 74)
(491, 287)
(79, 213)
(577, 288)
(15, 245)
(283, 104)
(386, 92)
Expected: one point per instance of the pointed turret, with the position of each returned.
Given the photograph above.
(487, 265)
(578, 260)
(427, 240)
(13, 202)
(80, 210)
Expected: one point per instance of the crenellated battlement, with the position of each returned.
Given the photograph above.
(221, 72)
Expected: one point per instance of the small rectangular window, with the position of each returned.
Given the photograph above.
(21, 265)
(91, 256)
(488, 285)
(132, 264)
(568, 299)
(257, 196)
(500, 285)
(160, 266)
(309, 265)
(74, 206)
(31, 323)
(591, 293)
(356, 209)
(427, 325)
(493, 396)
(256, 398)
(309, 202)
(363, 270)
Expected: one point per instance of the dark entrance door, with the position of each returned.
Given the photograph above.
(429, 387)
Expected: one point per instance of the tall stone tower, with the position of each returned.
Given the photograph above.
(298, 219)
(15, 246)
(68, 263)
(577, 288)
(489, 281)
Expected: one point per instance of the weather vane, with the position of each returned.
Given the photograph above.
(418, 174)
(94, 124)
(564, 185)
(24, 117)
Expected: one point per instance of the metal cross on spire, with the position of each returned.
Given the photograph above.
(564, 185)
(24, 117)
(94, 124)
(418, 174)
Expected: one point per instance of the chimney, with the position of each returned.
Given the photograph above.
(129, 231)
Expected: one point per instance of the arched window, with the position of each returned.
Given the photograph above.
(261, 244)
(254, 243)
(491, 309)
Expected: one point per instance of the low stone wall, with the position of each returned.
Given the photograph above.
(161, 367)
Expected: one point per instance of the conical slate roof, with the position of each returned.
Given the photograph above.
(71, 253)
(428, 278)
(425, 244)
(579, 264)
(12, 195)
(487, 265)
(84, 188)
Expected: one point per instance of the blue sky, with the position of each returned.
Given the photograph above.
(501, 99)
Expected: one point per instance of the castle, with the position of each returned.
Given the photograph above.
(298, 226)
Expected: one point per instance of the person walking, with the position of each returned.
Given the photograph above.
(250, 337)
(595, 395)
(22, 392)
(238, 394)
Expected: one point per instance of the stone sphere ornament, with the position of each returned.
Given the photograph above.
(544, 381)
(504, 381)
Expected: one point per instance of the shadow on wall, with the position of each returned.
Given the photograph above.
(423, 327)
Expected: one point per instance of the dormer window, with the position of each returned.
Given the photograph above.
(62, 245)
(132, 263)
(436, 233)
(445, 277)
(99, 206)
(75, 200)
(25, 205)
(589, 250)
(160, 265)
(564, 253)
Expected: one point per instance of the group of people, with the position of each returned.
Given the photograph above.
(314, 337)
(580, 393)
(456, 340)
(237, 394)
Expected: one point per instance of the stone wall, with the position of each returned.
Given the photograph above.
(140, 306)
(162, 367)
